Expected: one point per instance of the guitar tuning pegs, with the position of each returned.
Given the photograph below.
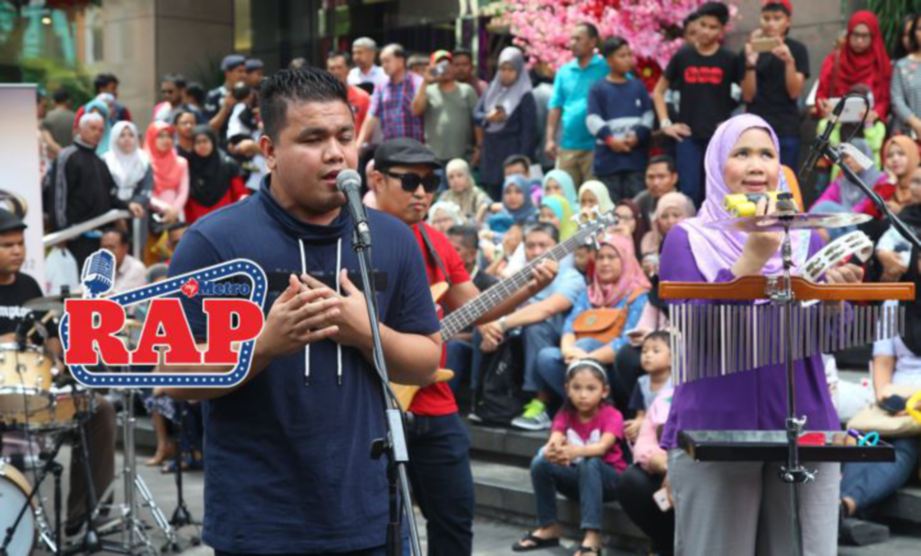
(586, 217)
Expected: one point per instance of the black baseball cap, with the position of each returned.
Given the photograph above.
(10, 222)
(403, 151)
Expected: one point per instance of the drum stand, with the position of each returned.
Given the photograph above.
(134, 488)
(52, 540)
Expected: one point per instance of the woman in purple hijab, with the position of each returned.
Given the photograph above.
(741, 507)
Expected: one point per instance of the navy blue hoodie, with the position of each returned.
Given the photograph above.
(287, 459)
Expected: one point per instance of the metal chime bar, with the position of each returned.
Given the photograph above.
(712, 340)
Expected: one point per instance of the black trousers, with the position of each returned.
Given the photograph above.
(100, 436)
(626, 371)
(634, 491)
(442, 483)
(81, 248)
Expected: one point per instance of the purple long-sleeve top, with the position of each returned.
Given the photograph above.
(747, 400)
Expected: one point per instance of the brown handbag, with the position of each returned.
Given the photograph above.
(603, 324)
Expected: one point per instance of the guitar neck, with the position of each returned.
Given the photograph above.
(471, 311)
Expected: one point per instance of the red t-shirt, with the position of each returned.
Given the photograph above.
(438, 399)
(360, 101)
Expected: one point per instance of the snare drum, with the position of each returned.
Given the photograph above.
(25, 379)
(14, 491)
(61, 414)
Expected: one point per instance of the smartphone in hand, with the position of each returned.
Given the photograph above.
(661, 498)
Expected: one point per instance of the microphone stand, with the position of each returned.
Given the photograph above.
(394, 445)
(822, 147)
(835, 156)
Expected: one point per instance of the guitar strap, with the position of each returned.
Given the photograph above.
(433, 254)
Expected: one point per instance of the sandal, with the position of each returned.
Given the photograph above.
(537, 543)
(588, 550)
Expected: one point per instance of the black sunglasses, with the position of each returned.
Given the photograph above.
(410, 181)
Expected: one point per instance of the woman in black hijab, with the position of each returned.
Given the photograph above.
(215, 179)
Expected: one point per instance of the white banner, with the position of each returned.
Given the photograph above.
(20, 162)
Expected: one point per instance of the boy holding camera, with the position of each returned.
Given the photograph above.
(776, 68)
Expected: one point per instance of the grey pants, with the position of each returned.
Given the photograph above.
(744, 508)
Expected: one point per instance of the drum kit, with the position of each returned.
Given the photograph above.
(37, 417)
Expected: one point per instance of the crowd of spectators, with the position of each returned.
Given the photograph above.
(524, 161)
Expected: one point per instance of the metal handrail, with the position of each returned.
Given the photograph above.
(76, 230)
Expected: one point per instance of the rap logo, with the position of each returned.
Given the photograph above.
(90, 326)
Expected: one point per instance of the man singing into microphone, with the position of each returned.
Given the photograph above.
(288, 452)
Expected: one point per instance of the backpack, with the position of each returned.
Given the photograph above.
(498, 397)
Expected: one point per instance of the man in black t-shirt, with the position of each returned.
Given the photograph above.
(16, 289)
(774, 80)
(703, 74)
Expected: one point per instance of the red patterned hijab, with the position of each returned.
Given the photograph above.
(631, 277)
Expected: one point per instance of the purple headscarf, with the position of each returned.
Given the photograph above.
(714, 249)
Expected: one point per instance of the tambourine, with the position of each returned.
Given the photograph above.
(853, 244)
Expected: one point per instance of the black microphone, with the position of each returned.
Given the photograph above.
(349, 183)
(821, 142)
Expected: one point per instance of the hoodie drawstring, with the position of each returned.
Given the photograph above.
(307, 347)
(338, 292)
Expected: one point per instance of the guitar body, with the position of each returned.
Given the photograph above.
(405, 392)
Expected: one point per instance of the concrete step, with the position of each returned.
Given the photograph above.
(495, 450)
(904, 506)
(504, 492)
(511, 447)
(507, 445)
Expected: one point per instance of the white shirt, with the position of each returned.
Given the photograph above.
(131, 274)
(61, 270)
(892, 240)
(907, 364)
(375, 75)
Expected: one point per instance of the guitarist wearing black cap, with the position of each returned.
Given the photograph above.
(405, 181)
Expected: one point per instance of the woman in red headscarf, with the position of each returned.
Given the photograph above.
(170, 182)
(862, 58)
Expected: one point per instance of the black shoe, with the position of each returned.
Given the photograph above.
(856, 532)
(73, 532)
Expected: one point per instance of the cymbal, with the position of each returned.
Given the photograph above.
(799, 221)
(50, 303)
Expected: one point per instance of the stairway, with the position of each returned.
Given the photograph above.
(500, 459)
